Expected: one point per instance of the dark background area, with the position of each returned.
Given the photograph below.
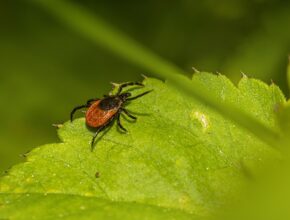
(46, 69)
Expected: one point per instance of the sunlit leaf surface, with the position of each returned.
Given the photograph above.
(179, 160)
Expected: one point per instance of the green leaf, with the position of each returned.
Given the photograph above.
(180, 159)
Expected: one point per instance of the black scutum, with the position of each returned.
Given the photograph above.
(109, 103)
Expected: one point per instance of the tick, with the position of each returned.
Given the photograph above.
(101, 113)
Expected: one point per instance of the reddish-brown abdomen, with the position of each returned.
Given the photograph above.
(96, 117)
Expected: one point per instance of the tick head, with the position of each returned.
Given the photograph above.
(124, 96)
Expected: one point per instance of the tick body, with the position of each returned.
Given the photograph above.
(97, 116)
(101, 113)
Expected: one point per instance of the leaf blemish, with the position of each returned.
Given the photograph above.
(202, 119)
(97, 174)
(28, 180)
(184, 200)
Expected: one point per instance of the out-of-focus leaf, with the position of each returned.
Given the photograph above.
(288, 73)
(102, 34)
(264, 50)
(284, 120)
(268, 197)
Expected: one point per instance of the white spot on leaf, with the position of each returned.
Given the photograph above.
(202, 118)
(82, 207)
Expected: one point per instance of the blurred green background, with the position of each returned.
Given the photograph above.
(46, 68)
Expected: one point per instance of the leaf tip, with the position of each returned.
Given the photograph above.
(23, 155)
(195, 70)
(144, 76)
(57, 125)
(114, 86)
(272, 83)
(243, 75)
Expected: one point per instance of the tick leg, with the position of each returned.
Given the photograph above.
(101, 129)
(128, 84)
(75, 109)
(119, 123)
(128, 114)
(95, 136)
(140, 95)
(89, 102)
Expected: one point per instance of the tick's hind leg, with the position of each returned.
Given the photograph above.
(95, 136)
(101, 129)
(128, 114)
(119, 123)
